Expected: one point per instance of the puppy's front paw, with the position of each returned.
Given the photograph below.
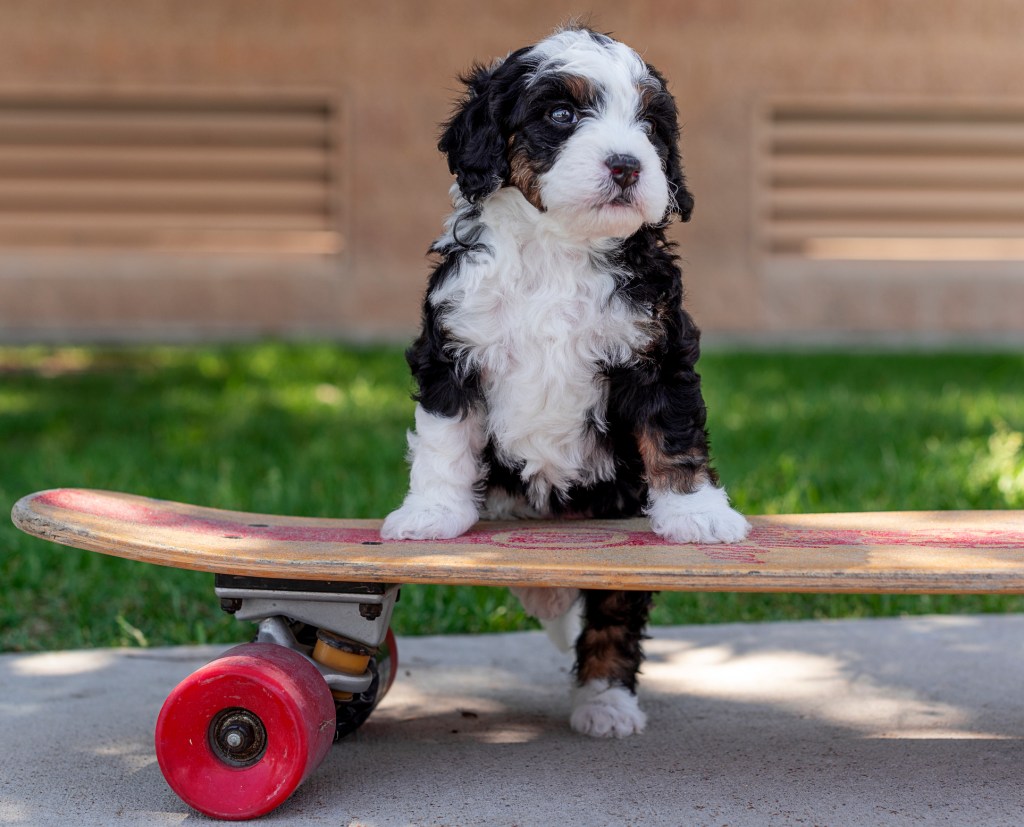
(421, 519)
(701, 517)
(604, 711)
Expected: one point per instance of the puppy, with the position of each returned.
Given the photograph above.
(555, 366)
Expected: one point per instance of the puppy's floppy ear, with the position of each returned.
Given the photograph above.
(667, 118)
(473, 139)
(681, 202)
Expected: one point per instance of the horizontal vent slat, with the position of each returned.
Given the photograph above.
(208, 162)
(161, 129)
(118, 236)
(799, 231)
(898, 137)
(922, 204)
(164, 195)
(933, 172)
(82, 222)
(884, 110)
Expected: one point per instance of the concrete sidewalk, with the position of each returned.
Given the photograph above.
(869, 722)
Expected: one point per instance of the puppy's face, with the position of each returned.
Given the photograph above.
(582, 127)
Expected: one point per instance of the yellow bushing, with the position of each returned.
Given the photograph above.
(351, 663)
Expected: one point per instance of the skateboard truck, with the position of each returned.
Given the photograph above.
(351, 622)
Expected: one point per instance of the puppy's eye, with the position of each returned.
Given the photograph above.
(563, 116)
(648, 126)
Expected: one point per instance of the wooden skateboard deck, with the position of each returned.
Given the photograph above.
(885, 552)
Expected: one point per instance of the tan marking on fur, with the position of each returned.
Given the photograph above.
(682, 473)
(581, 89)
(523, 176)
(606, 659)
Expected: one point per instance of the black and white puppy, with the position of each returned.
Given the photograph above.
(556, 364)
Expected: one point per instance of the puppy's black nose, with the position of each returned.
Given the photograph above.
(625, 169)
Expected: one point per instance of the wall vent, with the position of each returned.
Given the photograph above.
(891, 180)
(169, 172)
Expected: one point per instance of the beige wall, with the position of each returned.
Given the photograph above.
(392, 67)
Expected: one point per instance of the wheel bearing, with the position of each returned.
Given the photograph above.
(238, 737)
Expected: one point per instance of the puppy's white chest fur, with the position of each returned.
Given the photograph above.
(540, 319)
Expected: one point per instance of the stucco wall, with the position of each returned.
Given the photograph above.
(391, 67)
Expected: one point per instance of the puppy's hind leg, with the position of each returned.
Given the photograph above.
(558, 611)
(608, 658)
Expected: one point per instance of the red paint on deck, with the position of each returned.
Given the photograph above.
(761, 541)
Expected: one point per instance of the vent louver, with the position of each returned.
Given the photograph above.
(171, 172)
(872, 180)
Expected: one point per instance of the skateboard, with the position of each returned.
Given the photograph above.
(238, 736)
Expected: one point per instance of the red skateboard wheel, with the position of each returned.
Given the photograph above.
(392, 665)
(353, 713)
(238, 736)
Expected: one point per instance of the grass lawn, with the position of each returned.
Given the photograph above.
(319, 430)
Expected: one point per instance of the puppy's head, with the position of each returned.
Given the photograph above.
(581, 126)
